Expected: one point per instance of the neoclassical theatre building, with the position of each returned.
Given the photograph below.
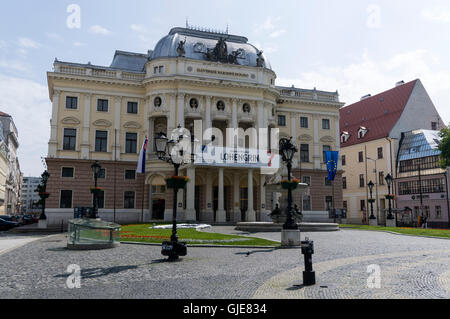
(105, 113)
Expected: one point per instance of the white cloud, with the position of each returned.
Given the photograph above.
(15, 65)
(79, 44)
(28, 43)
(97, 29)
(145, 36)
(369, 76)
(437, 14)
(138, 28)
(29, 105)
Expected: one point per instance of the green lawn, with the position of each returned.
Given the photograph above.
(145, 233)
(400, 230)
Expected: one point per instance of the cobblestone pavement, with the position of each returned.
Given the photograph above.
(411, 267)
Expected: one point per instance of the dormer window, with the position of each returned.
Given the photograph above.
(362, 132)
(344, 137)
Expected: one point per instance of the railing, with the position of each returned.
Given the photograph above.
(309, 95)
(104, 73)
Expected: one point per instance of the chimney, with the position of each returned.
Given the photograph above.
(366, 96)
(399, 83)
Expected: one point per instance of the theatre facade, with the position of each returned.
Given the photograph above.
(105, 113)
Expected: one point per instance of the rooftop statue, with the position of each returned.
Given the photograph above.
(180, 50)
(260, 60)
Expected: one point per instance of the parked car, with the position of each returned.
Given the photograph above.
(28, 219)
(6, 224)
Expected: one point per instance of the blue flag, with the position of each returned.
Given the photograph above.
(332, 158)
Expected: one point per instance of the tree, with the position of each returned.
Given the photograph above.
(444, 147)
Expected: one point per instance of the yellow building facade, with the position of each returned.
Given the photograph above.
(105, 113)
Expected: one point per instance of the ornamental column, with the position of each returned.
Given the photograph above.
(221, 216)
(236, 199)
(180, 112)
(151, 134)
(209, 213)
(317, 157)
(190, 214)
(53, 143)
(208, 123)
(251, 215)
(85, 145)
(171, 117)
(264, 212)
(117, 109)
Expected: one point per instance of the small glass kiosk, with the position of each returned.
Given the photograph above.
(92, 234)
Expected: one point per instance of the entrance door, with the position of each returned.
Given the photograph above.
(244, 202)
(159, 205)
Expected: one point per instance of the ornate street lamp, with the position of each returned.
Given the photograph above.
(166, 151)
(371, 200)
(389, 180)
(288, 151)
(96, 168)
(43, 193)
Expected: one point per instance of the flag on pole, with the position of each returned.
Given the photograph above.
(332, 158)
(142, 156)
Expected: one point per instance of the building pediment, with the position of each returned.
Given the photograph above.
(327, 139)
(104, 123)
(70, 121)
(132, 125)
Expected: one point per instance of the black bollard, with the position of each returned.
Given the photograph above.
(309, 276)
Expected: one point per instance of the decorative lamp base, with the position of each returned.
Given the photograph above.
(290, 238)
(390, 223)
(373, 222)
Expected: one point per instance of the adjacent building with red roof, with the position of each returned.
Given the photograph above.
(370, 134)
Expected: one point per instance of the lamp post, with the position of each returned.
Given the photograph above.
(371, 200)
(43, 193)
(389, 180)
(96, 167)
(165, 151)
(288, 151)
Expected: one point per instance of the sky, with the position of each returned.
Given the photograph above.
(357, 47)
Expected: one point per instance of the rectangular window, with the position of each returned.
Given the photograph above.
(344, 204)
(132, 108)
(438, 212)
(303, 122)
(434, 126)
(306, 203)
(66, 199)
(361, 181)
(326, 124)
(161, 69)
(281, 120)
(71, 102)
(361, 157)
(128, 201)
(102, 173)
(344, 182)
(102, 105)
(101, 141)
(307, 180)
(130, 174)
(328, 203)
(381, 178)
(343, 160)
(131, 143)
(380, 152)
(423, 163)
(67, 172)
(362, 205)
(304, 153)
(70, 138)
(326, 148)
(427, 186)
(327, 181)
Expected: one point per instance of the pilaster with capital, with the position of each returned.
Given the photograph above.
(180, 111)
(53, 143)
(85, 145)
